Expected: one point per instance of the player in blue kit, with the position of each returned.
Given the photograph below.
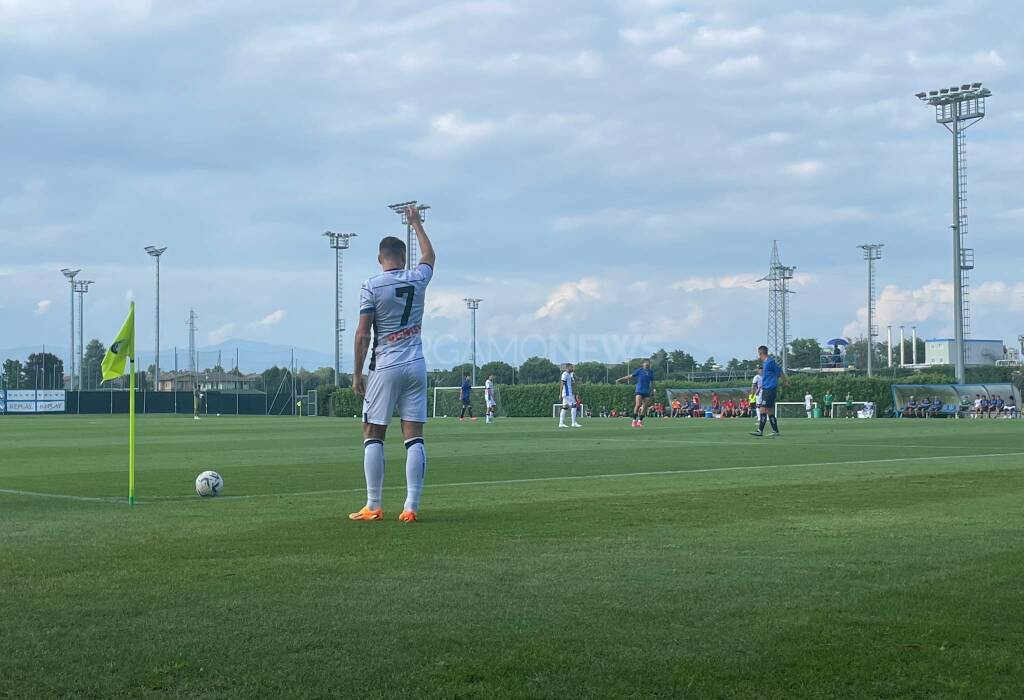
(467, 389)
(644, 379)
(771, 375)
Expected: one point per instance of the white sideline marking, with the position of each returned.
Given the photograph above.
(37, 494)
(507, 482)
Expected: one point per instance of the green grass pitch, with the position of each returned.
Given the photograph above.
(687, 559)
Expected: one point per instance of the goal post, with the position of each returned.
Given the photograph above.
(556, 407)
(311, 407)
(791, 409)
(797, 409)
(858, 409)
(448, 401)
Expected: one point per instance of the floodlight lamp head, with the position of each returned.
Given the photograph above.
(921, 95)
(70, 274)
(154, 251)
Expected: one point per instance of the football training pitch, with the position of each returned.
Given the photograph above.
(687, 559)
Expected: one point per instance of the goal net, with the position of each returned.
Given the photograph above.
(448, 401)
(556, 407)
(857, 409)
(791, 409)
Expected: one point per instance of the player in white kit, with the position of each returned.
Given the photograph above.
(492, 403)
(568, 397)
(391, 306)
(755, 389)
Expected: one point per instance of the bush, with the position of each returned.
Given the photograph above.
(535, 400)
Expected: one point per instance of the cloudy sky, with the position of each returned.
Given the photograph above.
(607, 176)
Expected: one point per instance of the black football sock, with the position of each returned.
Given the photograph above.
(761, 422)
(775, 423)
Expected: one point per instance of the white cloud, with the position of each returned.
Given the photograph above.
(272, 319)
(43, 307)
(999, 295)
(897, 306)
(219, 335)
(988, 59)
(567, 294)
(661, 29)
(453, 126)
(703, 284)
(805, 168)
(580, 64)
(445, 304)
(672, 57)
(728, 37)
(65, 93)
(735, 67)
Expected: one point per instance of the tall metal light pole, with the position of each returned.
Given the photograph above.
(412, 257)
(339, 242)
(193, 366)
(778, 278)
(70, 275)
(958, 108)
(156, 253)
(872, 253)
(473, 305)
(81, 288)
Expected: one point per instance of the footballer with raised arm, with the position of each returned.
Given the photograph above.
(391, 316)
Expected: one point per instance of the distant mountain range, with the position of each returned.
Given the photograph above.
(253, 356)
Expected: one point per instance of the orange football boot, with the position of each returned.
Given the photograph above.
(407, 516)
(366, 514)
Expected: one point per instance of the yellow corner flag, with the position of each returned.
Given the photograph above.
(122, 349)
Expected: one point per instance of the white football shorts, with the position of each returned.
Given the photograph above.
(402, 386)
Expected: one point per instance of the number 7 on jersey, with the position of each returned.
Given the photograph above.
(409, 292)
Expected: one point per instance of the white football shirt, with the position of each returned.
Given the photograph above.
(756, 386)
(567, 390)
(489, 390)
(396, 300)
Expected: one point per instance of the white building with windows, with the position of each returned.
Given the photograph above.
(941, 351)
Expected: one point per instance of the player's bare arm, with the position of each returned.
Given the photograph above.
(362, 345)
(427, 255)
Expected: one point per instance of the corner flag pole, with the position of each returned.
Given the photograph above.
(131, 430)
(122, 349)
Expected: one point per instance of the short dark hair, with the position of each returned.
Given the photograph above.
(762, 349)
(392, 248)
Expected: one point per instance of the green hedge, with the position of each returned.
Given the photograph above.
(535, 400)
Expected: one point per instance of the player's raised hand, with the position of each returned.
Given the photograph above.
(412, 215)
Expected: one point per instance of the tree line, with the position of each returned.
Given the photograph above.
(46, 370)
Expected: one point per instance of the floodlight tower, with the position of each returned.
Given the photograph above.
(70, 275)
(473, 305)
(778, 279)
(958, 108)
(412, 257)
(155, 253)
(81, 288)
(192, 364)
(339, 242)
(872, 253)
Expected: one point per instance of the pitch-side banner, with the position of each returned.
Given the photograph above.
(32, 401)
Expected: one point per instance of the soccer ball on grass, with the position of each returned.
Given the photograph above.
(209, 484)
